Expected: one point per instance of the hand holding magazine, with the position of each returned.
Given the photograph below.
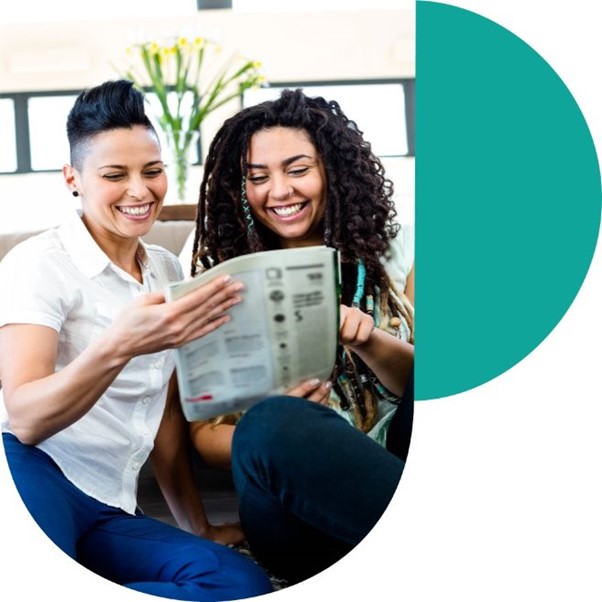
(283, 332)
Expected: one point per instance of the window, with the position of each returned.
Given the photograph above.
(33, 127)
(47, 115)
(383, 110)
(35, 140)
(8, 151)
(37, 122)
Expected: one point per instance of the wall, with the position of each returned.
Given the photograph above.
(291, 46)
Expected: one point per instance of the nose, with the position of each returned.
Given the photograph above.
(137, 188)
(281, 188)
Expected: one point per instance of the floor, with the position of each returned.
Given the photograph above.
(217, 491)
(219, 498)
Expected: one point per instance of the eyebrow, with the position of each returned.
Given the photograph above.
(117, 166)
(284, 163)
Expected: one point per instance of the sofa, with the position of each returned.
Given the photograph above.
(170, 234)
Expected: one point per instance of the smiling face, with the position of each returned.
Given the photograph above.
(122, 184)
(286, 185)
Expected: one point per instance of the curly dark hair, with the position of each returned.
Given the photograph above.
(358, 221)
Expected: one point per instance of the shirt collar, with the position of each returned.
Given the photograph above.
(85, 253)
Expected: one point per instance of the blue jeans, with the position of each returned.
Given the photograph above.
(138, 552)
(311, 486)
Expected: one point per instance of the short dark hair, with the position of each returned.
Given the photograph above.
(109, 106)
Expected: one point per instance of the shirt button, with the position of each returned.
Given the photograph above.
(157, 364)
(146, 400)
(135, 465)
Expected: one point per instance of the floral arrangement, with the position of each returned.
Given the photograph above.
(189, 84)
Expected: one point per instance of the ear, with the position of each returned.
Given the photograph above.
(71, 177)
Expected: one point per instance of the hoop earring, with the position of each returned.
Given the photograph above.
(246, 209)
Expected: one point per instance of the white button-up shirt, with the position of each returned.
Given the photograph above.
(62, 279)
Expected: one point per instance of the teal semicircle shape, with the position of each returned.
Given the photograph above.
(508, 200)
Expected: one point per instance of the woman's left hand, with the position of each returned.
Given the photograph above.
(355, 327)
(312, 390)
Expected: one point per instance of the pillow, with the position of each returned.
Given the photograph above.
(185, 255)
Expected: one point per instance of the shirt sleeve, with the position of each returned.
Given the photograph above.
(33, 286)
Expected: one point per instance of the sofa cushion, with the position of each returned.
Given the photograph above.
(170, 234)
(9, 239)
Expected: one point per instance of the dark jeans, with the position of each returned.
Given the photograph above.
(138, 552)
(311, 486)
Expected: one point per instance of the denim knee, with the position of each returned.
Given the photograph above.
(273, 432)
(269, 420)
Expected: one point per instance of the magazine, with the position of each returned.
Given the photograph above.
(283, 332)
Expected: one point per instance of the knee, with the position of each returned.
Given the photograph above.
(243, 579)
(271, 428)
(276, 420)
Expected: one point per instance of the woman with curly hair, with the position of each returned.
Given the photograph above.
(312, 478)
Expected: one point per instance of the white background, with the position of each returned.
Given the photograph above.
(502, 497)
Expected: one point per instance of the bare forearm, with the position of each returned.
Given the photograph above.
(172, 465)
(390, 358)
(40, 408)
(179, 490)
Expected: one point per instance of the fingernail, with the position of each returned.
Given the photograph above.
(328, 385)
(226, 278)
(314, 382)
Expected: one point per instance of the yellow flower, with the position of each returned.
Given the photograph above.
(188, 83)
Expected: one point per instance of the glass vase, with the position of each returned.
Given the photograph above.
(182, 152)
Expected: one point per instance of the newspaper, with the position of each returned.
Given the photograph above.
(283, 332)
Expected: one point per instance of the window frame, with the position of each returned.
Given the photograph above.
(22, 126)
(22, 130)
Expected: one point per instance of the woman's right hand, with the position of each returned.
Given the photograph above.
(151, 324)
(226, 534)
(313, 390)
(41, 401)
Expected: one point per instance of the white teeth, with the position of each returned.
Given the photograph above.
(137, 210)
(289, 210)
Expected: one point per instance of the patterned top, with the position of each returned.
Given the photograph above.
(398, 268)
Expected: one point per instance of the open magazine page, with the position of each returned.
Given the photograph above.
(284, 331)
